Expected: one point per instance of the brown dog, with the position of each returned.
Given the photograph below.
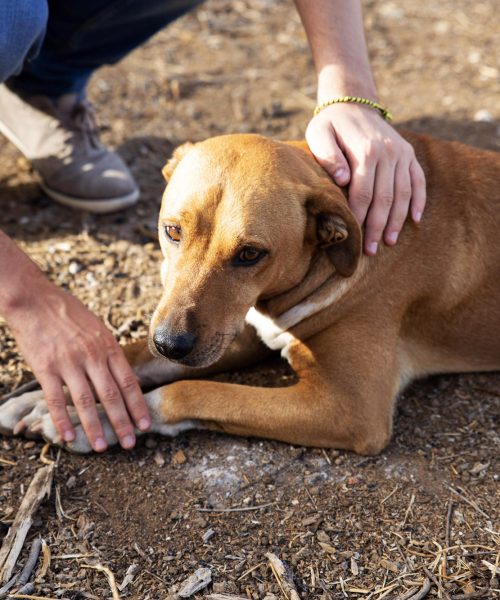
(259, 244)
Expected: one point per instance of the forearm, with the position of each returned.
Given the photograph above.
(19, 275)
(336, 37)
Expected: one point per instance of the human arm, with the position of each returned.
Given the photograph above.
(66, 345)
(352, 142)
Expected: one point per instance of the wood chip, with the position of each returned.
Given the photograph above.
(129, 576)
(327, 548)
(390, 566)
(196, 582)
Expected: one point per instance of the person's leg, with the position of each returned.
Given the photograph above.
(43, 110)
(22, 30)
(82, 35)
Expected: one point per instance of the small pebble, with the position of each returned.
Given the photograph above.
(483, 116)
(179, 458)
(159, 459)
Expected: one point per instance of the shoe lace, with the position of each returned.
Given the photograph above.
(84, 120)
(81, 121)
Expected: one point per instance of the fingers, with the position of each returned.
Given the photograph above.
(108, 393)
(418, 187)
(56, 401)
(321, 139)
(117, 388)
(130, 390)
(399, 211)
(380, 207)
(85, 405)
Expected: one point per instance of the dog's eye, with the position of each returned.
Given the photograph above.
(173, 232)
(248, 256)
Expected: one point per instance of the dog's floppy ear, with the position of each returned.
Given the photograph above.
(178, 154)
(334, 227)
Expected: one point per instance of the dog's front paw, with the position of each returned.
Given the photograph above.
(23, 414)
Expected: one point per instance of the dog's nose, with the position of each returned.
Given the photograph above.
(172, 344)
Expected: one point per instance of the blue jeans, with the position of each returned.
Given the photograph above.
(52, 47)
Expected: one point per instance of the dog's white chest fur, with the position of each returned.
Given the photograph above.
(268, 330)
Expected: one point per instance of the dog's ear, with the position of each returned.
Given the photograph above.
(178, 154)
(333, 226)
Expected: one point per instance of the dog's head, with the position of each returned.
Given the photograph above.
(240, 220)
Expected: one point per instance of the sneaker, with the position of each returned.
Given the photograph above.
(59, 137)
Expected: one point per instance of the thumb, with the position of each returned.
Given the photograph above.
(322, 142)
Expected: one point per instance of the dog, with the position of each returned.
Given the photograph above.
(262, 253)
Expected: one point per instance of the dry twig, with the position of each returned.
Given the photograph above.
(424, 590)
(437, 583)
(469, 502)
(46, 555)
(237, 509)
(110, 577)
(30, 564)
(39, 487)
(283, 576)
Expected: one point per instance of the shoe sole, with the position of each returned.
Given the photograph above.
(96, 205)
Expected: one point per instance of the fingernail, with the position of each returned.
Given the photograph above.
(69, 436)
(340, 175)
(128, 442)
(418, 216)
(372, 247)
(144, 424)
(100, 445)
(392, 237)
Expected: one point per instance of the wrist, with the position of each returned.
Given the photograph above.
(334, 82)
(24, 292)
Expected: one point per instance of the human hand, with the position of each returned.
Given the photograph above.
(66, 345)
(358, 148)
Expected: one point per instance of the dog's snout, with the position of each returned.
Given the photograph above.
(173, 345)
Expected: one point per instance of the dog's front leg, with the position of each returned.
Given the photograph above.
(317, 411)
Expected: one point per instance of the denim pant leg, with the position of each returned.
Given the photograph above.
(83, 35)
(22, 30)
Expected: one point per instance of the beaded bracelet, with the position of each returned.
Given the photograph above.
(355, 100)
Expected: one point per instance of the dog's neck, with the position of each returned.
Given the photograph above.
(273, 318)
(320, 273)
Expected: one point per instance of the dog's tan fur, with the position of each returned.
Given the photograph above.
(356, 330)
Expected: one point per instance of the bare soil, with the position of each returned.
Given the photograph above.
(349, 527)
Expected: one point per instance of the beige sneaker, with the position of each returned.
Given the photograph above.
(60, 139)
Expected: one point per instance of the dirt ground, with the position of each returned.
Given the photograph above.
(348, 527)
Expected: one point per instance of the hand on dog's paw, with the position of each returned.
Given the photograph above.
(28, 415)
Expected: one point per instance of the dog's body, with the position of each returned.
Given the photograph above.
(254, 227)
